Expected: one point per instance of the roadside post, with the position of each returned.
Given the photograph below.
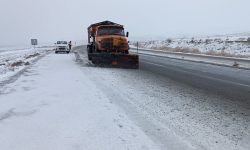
(137, 44)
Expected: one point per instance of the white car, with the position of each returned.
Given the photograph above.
(62, 46)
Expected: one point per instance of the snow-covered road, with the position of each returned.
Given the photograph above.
(65, 103)
(173, 114)
(54, 106)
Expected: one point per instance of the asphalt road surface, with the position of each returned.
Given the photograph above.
(231, 82)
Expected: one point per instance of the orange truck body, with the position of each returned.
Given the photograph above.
(107, 44)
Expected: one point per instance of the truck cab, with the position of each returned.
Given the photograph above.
(107, 37)
(110, 38)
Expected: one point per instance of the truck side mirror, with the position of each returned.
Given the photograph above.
(127, 34)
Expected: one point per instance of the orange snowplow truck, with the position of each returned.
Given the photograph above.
(108, 45)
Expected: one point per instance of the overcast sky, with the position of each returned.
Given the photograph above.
(50, 20)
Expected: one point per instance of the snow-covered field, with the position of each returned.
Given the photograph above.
(15, 59)
(229, 45)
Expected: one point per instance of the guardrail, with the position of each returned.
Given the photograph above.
(215, 60)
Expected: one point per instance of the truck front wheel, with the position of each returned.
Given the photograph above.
(89, 57)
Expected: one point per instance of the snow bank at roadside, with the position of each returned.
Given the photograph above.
(14, 60)
(230, 45)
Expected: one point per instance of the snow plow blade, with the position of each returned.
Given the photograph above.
(128, 61)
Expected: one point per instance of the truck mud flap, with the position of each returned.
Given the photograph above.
(116, 60)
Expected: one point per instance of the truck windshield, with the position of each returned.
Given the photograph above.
(61, 42)
(110, 31)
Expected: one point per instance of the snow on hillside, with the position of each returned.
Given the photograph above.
(230, 45)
